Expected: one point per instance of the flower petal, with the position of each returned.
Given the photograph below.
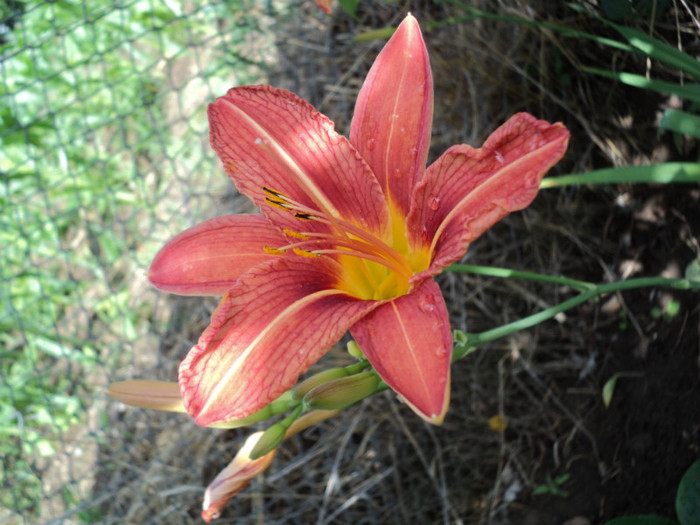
(271, 138)
(394, 111)
(467, 190)
(280, 318)
(208, 258)
(409, 343)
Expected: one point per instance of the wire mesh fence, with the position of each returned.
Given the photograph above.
(105, 156)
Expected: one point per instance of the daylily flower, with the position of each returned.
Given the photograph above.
(350, 235)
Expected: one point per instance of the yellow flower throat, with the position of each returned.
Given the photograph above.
(373, 267)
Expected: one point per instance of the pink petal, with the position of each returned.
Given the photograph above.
(269, 137)
(467, 190)
(208, 258)
(280, 318)
(409, 343)
(394, 111)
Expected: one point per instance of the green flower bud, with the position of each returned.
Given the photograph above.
(301, 389)
(268, 442)
(355, 350)
(342, 392)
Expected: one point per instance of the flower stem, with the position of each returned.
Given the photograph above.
(508, 273)
(473, 340)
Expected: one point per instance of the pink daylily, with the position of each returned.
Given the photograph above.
(350, 235)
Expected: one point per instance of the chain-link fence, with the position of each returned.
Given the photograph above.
(105, 156)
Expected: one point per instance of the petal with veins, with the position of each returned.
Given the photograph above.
(393, 114)
(271, 138)
(208, 258)
(467, 190)
(409, 343)
(281, 317)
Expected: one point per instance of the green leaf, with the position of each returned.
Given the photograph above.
(641, 519)
(681, 122)
(688, 497)
(689, 92)
(676, 172)
(609, 389)
(375, 34)
(659, 50)
(350, 6)
(692, 271)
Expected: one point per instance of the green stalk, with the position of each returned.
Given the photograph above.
(532, 320)
(508, 273)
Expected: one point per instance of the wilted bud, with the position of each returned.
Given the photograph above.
(234, 478)
(342, 392)
(157, 395)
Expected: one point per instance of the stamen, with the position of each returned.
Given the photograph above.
(355, 239)
(270, 191)
(294, 234)
(305, 253)
(274, 251)
(277, 204)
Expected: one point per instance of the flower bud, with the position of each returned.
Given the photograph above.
(234, 478)
(342, 392)
(157, 395)
(268, 441)
(301, 389)
(355, 350)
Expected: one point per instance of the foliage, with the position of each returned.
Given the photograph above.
(85, 137)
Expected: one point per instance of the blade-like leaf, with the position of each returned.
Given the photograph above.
(688, 172)
(691, 92)
(655, 48)
(681, 122)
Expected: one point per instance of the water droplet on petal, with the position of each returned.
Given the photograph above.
(499, 156)
(434, 203)
(436, 327)
(426, 305)
(397, 173)
(413, 152)
(440, 351)
(371, 143)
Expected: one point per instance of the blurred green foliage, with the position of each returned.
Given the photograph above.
(84, 137)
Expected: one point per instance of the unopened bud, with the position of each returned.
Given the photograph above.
(301, 389)
(342, 392)
(234, 478)
(355, 350)
(269, 440)
(157, 395)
